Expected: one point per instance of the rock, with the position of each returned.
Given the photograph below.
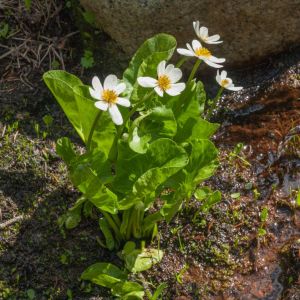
(251, 30)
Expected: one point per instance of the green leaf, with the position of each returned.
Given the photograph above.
(78, 105)
(264, 214)
(142, 174)
(158, 292)
(31, 294)
(109, 240)
(145, 61)
(61, 84)
(104, 274)
(128, 290)
(65, 150)
(156, 123)
(298, 198)
(27, 4)
(235, 195)
(202, 161)
(202, 193)
(89, 173)
(187, 108)
(87, 61)
(4, 29)
(212, 199)
(141, 260)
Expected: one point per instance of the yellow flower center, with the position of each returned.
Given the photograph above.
(109, 96)
(203, 52)
(164, 82)
(224, 82)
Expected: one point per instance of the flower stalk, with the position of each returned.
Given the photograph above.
(214, 103)
(194, 70)
(89, 141)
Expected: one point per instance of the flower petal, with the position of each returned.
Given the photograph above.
(123, 102)
(223, 74)
(196, 26)
(189, 47)
(219, 77)
(95, 94)
(101, 105)
(115, 114)
(213, 43)
(176, 89)
(169, 69)
(204, 32)
(216, 60)
(120, 88)
(97, 86)
(234, 88)
(213, 38)
(147, 82)
(159, 91)
(110, 82)
(185, 52)
(175, 74)
(212, 64)
(196, 44)
(161, 68)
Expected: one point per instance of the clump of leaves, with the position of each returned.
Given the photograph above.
(162, 150)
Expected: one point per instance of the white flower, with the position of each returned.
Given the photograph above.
(108, 96)
(226, 82)
(202, 34)
(202, 53)
(166, 80)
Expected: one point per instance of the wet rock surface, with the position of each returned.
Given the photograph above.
(250, 30)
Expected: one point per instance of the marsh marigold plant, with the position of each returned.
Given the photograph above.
(146, 136)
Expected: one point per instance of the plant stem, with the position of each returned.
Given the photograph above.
(181, 62)
(194, 70)
(214, 103)
(113, 153)
(116, 220)
(112, 224)
(88, 144)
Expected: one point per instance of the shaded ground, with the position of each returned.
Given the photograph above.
(228, 253)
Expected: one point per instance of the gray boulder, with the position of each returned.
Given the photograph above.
(251, 30)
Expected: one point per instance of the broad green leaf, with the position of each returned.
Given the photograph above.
(97, 162)
(187, 108)
(145, 61)
(156, 123)
(141, 260)
(203, 129)
(202, 161)
(104, 274)
(128, 290)
(78, 105)
(141, 175)
(65, 150)
(62, 85)
(173, 203)
(89, 173)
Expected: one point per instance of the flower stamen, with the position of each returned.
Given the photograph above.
(109, 96)
(224, 82)
(203, 52)
(164, 82)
